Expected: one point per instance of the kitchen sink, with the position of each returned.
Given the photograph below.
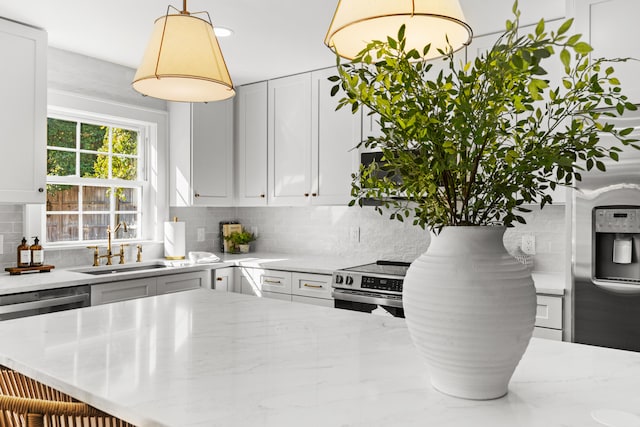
(97, 271)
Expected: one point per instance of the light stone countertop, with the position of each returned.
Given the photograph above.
(210, 358)
(547, 283)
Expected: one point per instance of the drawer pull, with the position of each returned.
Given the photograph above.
(219, 279)
(272, 282)
(306, 285)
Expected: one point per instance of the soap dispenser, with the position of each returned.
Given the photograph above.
(37, 253)
(24, 254)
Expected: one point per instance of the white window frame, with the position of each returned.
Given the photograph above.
(141, 183)
(154, 201)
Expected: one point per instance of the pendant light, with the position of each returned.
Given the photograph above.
(358, 22)
(183, 61)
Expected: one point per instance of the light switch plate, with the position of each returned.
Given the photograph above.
(201, 234)
(1, 244)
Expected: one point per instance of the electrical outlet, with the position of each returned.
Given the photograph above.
(201, 234)
(254, 231)
(354, 234)
(529, 244)
(1, 244)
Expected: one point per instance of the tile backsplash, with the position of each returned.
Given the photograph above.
(328, 230)
(321, 230)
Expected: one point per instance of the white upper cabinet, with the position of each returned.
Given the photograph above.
(335, 136)
(23, 113)
(309, 144)
(201, 153)
(611, 27)
(290, 140)
(251, 133)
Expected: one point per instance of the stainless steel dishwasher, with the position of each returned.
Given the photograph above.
(26, 304)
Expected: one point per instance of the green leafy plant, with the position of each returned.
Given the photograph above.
(472, 145)
(240, 237)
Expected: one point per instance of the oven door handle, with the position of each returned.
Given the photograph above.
(353, 297)
(50, 302)
(619, 288)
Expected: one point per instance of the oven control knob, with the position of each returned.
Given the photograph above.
(349, 280)
(339, 279)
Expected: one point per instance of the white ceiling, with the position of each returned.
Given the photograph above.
(272, 38)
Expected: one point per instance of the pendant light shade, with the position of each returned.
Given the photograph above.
(183, 61)
(358, 22)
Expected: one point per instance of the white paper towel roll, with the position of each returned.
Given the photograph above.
(174, 239)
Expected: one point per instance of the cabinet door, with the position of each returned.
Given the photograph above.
(549, 312)
(23, 113)
(611, 27)
(123, 290)
(289, 147)
(212, 153)
(251, 131)
(224, 279)
(313, 301)
(335, 136)
(183, 282)
(311, 285)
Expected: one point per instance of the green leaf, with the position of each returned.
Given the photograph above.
(540, 27)
(582, 48)
(565, 57)
(565, 26)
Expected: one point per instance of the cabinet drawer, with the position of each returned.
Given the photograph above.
(549, 312)
(275, 281)
(183, 282)
(546, 333)
(122, 290)
(311, 285)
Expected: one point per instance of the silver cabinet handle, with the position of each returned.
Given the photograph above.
(34, 305)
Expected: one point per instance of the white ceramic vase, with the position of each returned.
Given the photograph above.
(470, 309)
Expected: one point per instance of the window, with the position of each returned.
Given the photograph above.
(95, 179)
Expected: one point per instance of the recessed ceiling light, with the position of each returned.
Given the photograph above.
(223, 31)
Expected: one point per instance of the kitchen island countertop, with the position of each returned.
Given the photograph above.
(210, 358)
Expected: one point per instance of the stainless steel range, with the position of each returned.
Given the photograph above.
(375, 287)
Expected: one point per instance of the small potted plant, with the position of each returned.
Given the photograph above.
(239, 241)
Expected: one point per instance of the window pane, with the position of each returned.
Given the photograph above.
(94, 137)
(94, 166)
(61, 133)
(62, 197)
(125, 168)
(132, 226)
(62, 228)
(95, 199)
(95, 226)
(61, 163)
(124, 141)
(127, 199)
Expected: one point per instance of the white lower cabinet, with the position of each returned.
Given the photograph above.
(183, 282)
(224, 279)
(311, 285)
(307, 288)
(548, 317)
(276, 295)
(313, 301)
(124, 290)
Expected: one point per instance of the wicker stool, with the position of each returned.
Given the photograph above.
(25, 402)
